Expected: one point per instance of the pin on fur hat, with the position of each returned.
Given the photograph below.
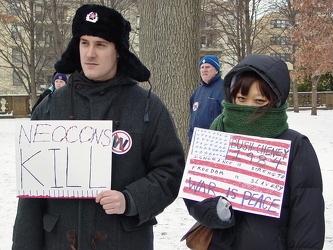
(109, 24)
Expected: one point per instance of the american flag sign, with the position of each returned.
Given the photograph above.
(249, 171)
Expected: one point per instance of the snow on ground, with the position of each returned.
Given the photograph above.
(174, 221)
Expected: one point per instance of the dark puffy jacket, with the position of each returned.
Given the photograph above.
(298, 227)
(301, 224)
(41, 97)
(205, 104)
(150, 171)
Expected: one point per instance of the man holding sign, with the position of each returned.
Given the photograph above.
(147, 156)
(258, 208)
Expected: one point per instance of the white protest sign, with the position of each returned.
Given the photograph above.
(249, 171)
(63, 159)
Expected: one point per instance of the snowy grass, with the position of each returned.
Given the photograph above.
(174, 221)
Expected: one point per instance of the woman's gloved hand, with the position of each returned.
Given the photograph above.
(215, 212)
(223, 209)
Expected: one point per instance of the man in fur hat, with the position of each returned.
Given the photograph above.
(145, 177)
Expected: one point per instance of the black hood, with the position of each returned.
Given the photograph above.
(272, 69)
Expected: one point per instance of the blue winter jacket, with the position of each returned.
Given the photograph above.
(205, 104)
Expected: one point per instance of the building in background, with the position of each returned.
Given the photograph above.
(232, 29)
(35, 33)
(275, 34)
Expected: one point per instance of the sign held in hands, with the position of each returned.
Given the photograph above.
(249, 171)
(63, 159)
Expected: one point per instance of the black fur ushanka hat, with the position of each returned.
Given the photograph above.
(109, 24)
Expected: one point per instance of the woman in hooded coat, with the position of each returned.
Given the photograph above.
(256, 102)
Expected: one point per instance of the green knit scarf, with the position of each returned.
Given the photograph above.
(237, 119)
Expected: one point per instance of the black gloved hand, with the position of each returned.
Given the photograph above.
(223, 209)
(215, 212)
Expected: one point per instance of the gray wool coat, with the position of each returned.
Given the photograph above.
(150, 172)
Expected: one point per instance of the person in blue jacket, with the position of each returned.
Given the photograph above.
(205, 101)
(58, 81)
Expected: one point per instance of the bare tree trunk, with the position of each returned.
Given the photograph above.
(32, 85)
(315, 81)
(240, 30)
(295, 97)
(147, 33)
(169, 45)
(291, 13)
(56, 31)
(248, 28)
